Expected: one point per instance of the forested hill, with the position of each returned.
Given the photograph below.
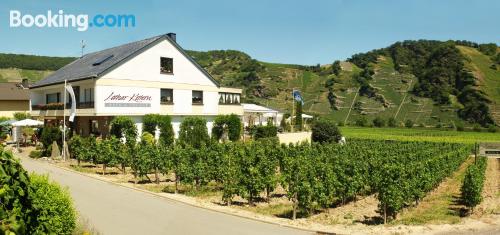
(15, 67)
(427, 82)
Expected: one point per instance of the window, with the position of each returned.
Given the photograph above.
(53, 98)
(94, 127)
(197, 97)
(167, 96)
(88, 95)
(229, 98)
(166, 65)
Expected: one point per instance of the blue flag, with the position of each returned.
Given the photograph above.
(297, 97)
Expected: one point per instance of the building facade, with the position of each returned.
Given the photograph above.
(14, 97)
(151, 76)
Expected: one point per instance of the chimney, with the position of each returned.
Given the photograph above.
(25, 83)
(172, 36)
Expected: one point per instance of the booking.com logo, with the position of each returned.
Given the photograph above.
(62, 20)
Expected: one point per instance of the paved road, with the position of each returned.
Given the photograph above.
(113, 209)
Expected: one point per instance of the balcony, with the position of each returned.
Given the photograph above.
(56, 109)
(59, 106)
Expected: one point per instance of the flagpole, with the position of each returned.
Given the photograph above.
(293, 109)
(64, 123)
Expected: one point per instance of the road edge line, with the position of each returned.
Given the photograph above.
(191, 204)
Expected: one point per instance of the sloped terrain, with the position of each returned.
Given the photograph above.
(325, 94)
(487, 77)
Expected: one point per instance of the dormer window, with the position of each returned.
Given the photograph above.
(166, 65)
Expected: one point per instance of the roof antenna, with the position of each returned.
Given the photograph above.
(82, 46)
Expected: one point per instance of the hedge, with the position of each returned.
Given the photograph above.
(233, 124)
(193, 131)
(325, 131)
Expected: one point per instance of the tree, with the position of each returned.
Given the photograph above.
(166, 130)
(193, 131)
(336, 68)
(150, 122)
(124, 127)
(472, 186)
(227, 123)
(297, 168)
(48, 136)
(108, 151)
(325, 131)
(361, 122)
(78, 148)
(231, 171)
(267, 164)
(391, 122)
(298, 115)
(146, 152)
(378, 122)
(488, 48)
(409, 123)
(268, 131)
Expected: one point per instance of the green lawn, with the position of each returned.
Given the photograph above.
(419, 134)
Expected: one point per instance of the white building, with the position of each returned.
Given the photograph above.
(154, 75)
(260, 115)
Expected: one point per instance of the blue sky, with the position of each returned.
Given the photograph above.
(300, 32)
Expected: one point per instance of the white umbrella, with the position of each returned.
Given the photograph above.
(28, 122)
(8, 122)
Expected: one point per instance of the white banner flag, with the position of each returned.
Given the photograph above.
(69, 88)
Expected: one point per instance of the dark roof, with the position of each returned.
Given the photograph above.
(13, 91)
(94, 65)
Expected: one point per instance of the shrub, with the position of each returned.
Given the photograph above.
(492, 128)
(459, 126)
(149, 123)
(325, 131)
(49, 135)
(265, 132)
(379, 122)
(298, 116)
(79, 148)
(147, 138)
(231, 122)
(361, 122)
(285, 126)
(166, 130)
(21, 115)
(35, 154)
(341, 123)
(193, 131)
(32, 204)
(108, 152)
(391, 122)
(122, 126)
(53, 206)
(15, 209)
(476, 128)
(163, 123)
(473, 183)
(409, 123)
(142, 162)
